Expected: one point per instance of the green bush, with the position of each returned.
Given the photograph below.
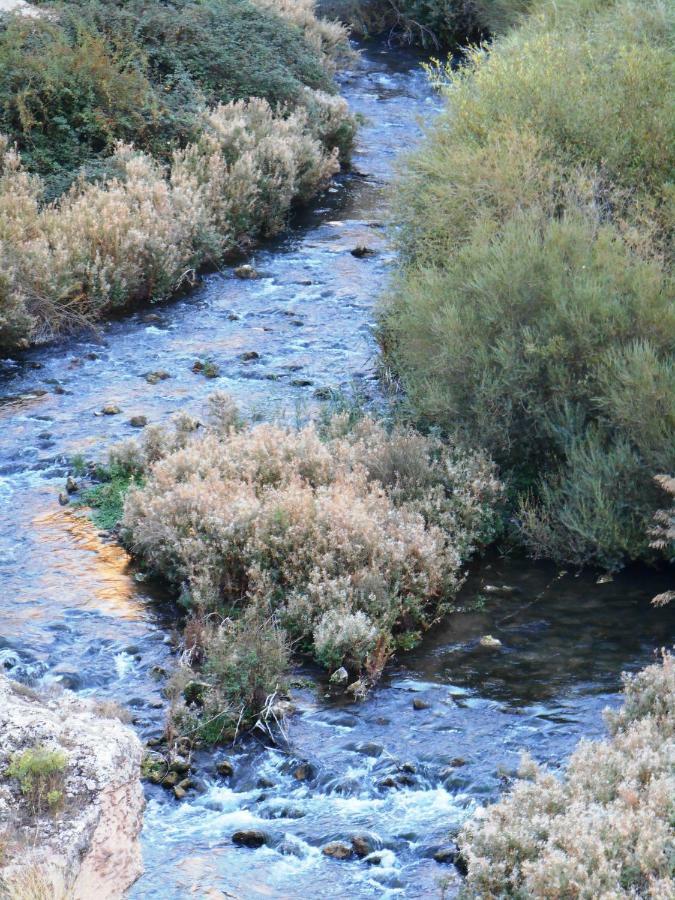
(90, 73)
(40, 773)
(534, 308)
(430, 23)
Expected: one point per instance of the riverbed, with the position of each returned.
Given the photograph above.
(75, 614)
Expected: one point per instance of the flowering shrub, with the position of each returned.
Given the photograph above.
(142, 234)
(343, 541)
(366, 521)
(602, 830)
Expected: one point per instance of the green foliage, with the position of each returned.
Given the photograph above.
(429, 23)
(107, 498)
(534, 311)
(40, 773)
(88, 74)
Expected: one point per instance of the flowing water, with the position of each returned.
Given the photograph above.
(73, 613)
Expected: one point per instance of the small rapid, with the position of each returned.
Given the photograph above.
(443, 731)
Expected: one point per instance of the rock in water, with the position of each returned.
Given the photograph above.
(338, 850)
(339, 676)
(88, 847)
(249, 838)
(489, 642)
(246, 271)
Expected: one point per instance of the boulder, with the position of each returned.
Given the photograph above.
(249, 837)
(89, 846)
(338, 850)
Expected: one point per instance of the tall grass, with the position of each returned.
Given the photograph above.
(534, 307)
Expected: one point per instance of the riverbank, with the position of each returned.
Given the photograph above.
(146, 214)
(533, 310)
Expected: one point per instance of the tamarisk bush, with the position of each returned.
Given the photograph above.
(602, 829)
(348, 540)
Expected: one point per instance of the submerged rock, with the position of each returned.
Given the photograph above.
(446, 855)
(89, 845)
(155, 377)
(138, 421)
(224, 767)
(361, 250)
(362, 845)
(418, 704)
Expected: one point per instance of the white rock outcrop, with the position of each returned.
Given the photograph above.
(90, 847)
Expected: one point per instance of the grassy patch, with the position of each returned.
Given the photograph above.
(40, 773)
(106, 499)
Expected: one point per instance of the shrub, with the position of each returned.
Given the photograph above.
(141, 235)
(340, 540)
(534, 307)
(202, 181)
(40, 773)
(88, 74)
(602, 829)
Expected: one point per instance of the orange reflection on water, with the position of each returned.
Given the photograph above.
(90, 572)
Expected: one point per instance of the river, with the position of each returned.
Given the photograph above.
(74, 614)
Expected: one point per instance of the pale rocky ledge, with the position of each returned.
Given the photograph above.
(89, 846)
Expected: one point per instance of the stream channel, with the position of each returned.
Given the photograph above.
(73, 613)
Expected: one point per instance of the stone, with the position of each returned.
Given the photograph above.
(361, 250)
(357, 688)
(246, 271)
(110, 409)
(179, 792)
(138, 421)
(170, 780)
(249, 355)
(179, 764)
(71, 485)
(361, 845)
(92, 849)
(265, 782)
(338, 850)
(490, 643)
(154, 377)
(249, 837)
(303, 772)
(409, 767)
(64, 499)
(418, 704)
(339, 676)
(446, 855)
(224, 767)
